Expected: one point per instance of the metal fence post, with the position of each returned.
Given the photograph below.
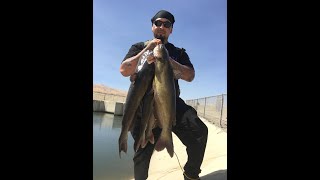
(221, 110)
(204, 109)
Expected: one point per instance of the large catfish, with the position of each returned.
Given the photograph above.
(147, 121)
(137, 90)
(164, 98)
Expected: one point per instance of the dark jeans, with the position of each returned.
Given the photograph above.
(189, 129)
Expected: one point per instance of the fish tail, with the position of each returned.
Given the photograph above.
(122, 145)
(165, 141)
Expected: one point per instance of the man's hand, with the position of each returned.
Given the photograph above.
(151, 58)
(153, 43)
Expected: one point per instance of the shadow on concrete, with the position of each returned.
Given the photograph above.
(217, 175)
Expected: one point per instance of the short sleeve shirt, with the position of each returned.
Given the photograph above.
(177, 54)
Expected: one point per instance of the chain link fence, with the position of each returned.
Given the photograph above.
(213, 109)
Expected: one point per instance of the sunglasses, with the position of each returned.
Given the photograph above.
(166, 24)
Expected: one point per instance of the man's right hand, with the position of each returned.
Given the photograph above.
(150, 59)
(153, 43)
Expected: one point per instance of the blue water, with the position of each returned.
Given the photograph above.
(107, 164)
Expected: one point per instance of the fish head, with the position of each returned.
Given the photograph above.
(160, 52)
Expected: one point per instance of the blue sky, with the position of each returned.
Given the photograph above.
(200, 28)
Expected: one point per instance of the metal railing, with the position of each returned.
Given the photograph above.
(213, 109)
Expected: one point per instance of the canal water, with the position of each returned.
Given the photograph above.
(107, 165)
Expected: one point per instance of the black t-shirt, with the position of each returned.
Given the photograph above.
(177, 54)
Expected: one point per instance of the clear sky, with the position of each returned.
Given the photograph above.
(200, 27)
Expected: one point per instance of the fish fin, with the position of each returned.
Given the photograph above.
(151, 138)
(141, 142)
(165, 142)
(144, 143)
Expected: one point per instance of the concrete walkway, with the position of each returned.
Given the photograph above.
(214, 166)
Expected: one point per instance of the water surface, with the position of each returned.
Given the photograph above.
(107, 164)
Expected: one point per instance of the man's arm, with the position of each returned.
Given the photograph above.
(129, 65)
(182, 71)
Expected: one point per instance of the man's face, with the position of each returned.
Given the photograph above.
(162, 27)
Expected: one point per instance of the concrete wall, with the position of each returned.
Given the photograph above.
(108, 103)
(108, 97)
(99, 106)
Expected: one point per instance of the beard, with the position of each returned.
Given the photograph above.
(159, 36)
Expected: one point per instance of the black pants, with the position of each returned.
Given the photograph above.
(189, 129)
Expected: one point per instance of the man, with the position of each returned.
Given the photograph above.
(189, 128)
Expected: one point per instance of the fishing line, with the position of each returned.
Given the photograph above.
(182, 169)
